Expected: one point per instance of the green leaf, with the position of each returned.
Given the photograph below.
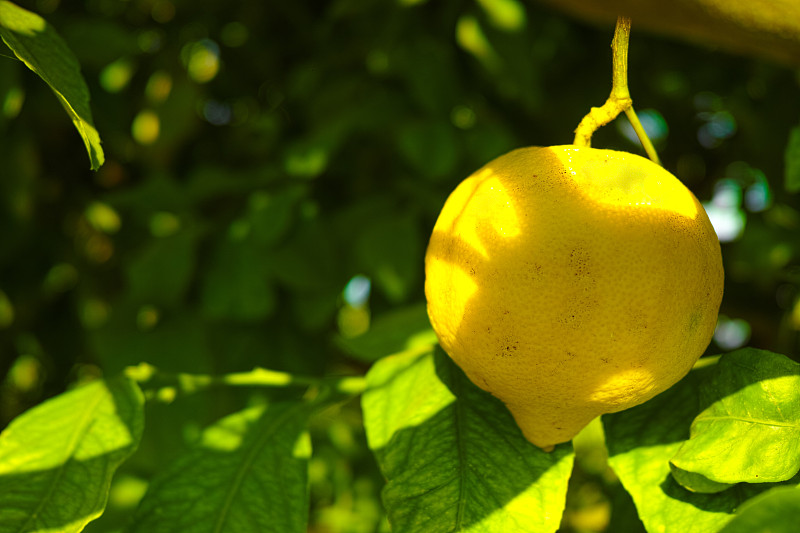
(452, 455)
(750, 430)
(38, 45)
(697, 482)
(430, 147)
(248, 473)
(643, 439)
(391, 251)
(57, 459)
(792, 161)
(775, 511)
(162, 270)
(392, 332)
(236, 284)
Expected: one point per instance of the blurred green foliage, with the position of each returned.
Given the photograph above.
(272, 173)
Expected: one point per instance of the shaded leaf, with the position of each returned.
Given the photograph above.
(452, 455)
(57, 459)
(391, 251)
(430, 146)
(792, 161)
(697, 482)
(750, 430)
(236, 284)
(775, 511)
(38, 45)
(392, 332)
(249, 472)
(162, 271)
(643, 439)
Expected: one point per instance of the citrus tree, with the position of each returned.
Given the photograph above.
(220, 323)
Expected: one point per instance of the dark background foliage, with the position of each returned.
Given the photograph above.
(273, 171)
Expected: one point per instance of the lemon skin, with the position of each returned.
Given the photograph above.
(571, 282)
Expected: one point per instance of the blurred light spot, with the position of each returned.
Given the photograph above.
(164, 224)
(111, 174)
(507, 15)
(162, 11)
(150, 41)
(167, 395)
(93, 313)
(718, 127)
(471, 38)
(126, 491)
(731, 333)
(377, 61)
(306, 161)
(353, 321)
(146, 127)
(6, 310)
(202, 60)
(239, 230)
(116, 76)
(60, 278)
(724, 211)
(727, 193)
(12, 104)
(462, 117)
(728, 223)
(758, 196)
(780, 255)
(234, 34)
(795, 317)
(411, 2)
(147, 317)
(103, 218)
(159, 85)
(25, 373)
(217, 113)
(356, 292)
(653, 123)
(98, 248)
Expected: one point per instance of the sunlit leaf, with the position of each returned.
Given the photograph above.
(38, 45)
(452, 455)
(248, 473)
(642, 440)
(775, 511)
(57, 460)
(750, 430)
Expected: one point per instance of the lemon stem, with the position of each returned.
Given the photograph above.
(620, 98)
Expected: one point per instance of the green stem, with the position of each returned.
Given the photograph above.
(620, 99)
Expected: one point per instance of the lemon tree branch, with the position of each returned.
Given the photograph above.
(620, 98)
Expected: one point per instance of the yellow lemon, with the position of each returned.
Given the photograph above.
(571, 282)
